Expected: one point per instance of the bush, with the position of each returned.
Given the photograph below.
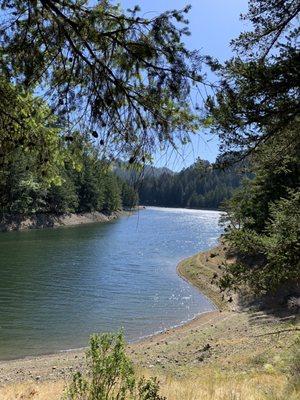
(110, 374)
(268, 260)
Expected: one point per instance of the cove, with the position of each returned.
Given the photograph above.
(58, 286)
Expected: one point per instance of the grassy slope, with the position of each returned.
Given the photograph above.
(224, 355)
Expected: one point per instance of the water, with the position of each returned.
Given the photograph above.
(58, 286)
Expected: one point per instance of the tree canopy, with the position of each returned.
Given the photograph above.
(256, 114)
(41, 172)
(259, 87)
(124, 77)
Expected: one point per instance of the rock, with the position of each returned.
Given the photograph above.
(37, 378)
(206, 347)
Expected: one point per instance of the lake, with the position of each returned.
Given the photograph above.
(60, 285)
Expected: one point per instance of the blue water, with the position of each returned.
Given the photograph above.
(58, 286)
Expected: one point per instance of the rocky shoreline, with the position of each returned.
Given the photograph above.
(40, 220)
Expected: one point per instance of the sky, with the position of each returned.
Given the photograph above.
(213, 23)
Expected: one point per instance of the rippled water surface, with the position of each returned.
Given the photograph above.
(57, 286)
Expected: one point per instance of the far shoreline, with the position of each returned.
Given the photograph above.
(183, 208)
(20, 223)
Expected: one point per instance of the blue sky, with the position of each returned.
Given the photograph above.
(213, 23)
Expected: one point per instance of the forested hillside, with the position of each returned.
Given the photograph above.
(202, 185)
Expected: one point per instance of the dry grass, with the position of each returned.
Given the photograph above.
(33, 391)
(209, 386)
(213, 387)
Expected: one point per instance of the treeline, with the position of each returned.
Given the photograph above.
(91, 187)
(44, 170)
(85, 187)
(202, 185)
(255, 112)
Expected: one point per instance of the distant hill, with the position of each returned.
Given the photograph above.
(133, 176)
(202, 185)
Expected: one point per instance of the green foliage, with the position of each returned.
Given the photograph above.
(123, 75)
(198, 186)
(129, 196)
(89, 186)
(112, 193)
(31, 154)
(265, 220)
(42, 172)
(62, 198)
(110, 374)
(259, 87)
(256, 114)
(29, 130)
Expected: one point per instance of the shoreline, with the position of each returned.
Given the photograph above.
(17, 368)
(20, 223)
(61, 365)
(236, 344)
(133, 343)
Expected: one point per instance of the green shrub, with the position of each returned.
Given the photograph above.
(269, 259)
(110, 374)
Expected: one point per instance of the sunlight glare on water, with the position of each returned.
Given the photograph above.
(60, 285)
